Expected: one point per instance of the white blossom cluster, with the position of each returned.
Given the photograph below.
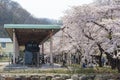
(89, 25)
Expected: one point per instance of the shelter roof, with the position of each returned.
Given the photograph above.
(27, 32)
(31, 26)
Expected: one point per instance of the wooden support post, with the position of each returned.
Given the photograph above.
(38, 61)
(14, 47)
(43, 61)
(51, 48)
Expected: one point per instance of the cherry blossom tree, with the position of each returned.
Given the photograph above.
(95, 28)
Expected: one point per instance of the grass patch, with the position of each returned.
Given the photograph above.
(39, 71)
(105, 70)
(63, 71)
(75, 65)
(77, 69)
(72, 69)
(4, 59)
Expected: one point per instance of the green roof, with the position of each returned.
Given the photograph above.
(31, 26)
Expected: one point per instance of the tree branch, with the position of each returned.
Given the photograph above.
(89, 37)
(102, 26)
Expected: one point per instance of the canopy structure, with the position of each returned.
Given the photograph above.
(26, 32)
(22, 33)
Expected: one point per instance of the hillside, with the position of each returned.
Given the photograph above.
(12, 13)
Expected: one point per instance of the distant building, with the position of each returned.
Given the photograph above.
(6, 46)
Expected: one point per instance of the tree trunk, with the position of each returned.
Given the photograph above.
(100, 60)
(118, 65)
(100, 57)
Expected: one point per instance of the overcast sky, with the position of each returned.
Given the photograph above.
(53, 9)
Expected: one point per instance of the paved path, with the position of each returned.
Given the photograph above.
(6, 65)
(47, 66)
(3, 64)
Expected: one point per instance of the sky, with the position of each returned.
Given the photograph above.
(53, 9)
